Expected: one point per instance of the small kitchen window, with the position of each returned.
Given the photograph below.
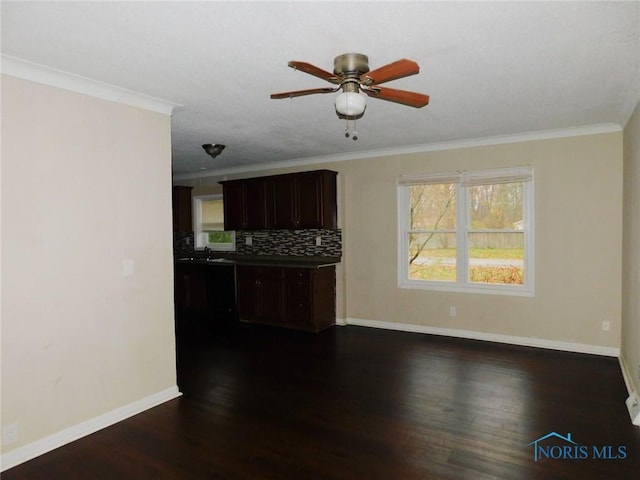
(208, 225)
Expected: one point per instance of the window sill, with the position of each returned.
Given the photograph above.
(459, 288)
(216, 248)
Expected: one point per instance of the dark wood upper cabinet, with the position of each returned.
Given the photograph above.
(182, 214)
(258, 215)
(310, 190)
(290, 201)
(245, 205)
(282, 198)
(234, 204)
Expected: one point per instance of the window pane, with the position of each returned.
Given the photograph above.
(433, 207)
(220, 237)
(212, 215)
(496, 206)
(496, 258)
(209, 224)
(432, 256)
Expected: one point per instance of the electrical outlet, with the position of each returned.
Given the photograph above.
(318, 241)
(453, 311)
(248, 240)
(605, 325)
(10, 434)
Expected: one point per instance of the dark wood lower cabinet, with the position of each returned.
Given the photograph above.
(204, 293)
(300, 298)
(259, 294)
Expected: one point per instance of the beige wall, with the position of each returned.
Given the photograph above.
(631, 251)
(578, 214)
(578, 236)
(86, 184)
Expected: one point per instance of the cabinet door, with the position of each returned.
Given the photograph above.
(235, 212)
(221, 292)
(324, 297)
(271, 296)
(329, 202)
(190, 290)
(283, 202)
(298, 298)
(308, 200)
(317, 194)
(260, 294)
(247, 281)
(182, 221)
(256, 204)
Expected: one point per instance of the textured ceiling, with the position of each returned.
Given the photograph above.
(490, 68)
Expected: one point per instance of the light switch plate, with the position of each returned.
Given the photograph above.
(10, 434)
(128, 267)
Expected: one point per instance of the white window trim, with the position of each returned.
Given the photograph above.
(199, 234)
(463, 285)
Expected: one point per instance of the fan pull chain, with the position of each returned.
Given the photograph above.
(350, 130)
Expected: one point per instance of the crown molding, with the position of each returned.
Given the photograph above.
(20, 68)
(423, 148)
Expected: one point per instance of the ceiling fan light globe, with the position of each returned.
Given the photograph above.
(350, 103)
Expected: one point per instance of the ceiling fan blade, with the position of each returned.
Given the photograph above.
(315, 71)
(411, 99)
(300, 93)
(392, 71)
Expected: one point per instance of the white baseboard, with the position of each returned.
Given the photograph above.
(489, 337)
(341, 322)
(68, 435)
(626, 375)
(633, 405)
(632, 402)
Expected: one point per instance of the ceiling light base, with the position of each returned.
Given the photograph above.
(213, 149)
(351, 64)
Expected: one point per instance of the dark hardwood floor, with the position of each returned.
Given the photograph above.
(360, 403)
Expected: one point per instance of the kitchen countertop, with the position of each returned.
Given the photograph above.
(261, 260)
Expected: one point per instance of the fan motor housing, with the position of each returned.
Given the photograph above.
(351, 64)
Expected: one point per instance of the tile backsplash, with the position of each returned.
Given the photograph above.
(297, 243)
(183, 244)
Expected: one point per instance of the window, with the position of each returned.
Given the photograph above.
(467, 231)
(209, 224)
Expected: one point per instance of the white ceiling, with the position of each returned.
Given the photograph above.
(490, 68)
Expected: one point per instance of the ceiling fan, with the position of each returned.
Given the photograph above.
(351, 74)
